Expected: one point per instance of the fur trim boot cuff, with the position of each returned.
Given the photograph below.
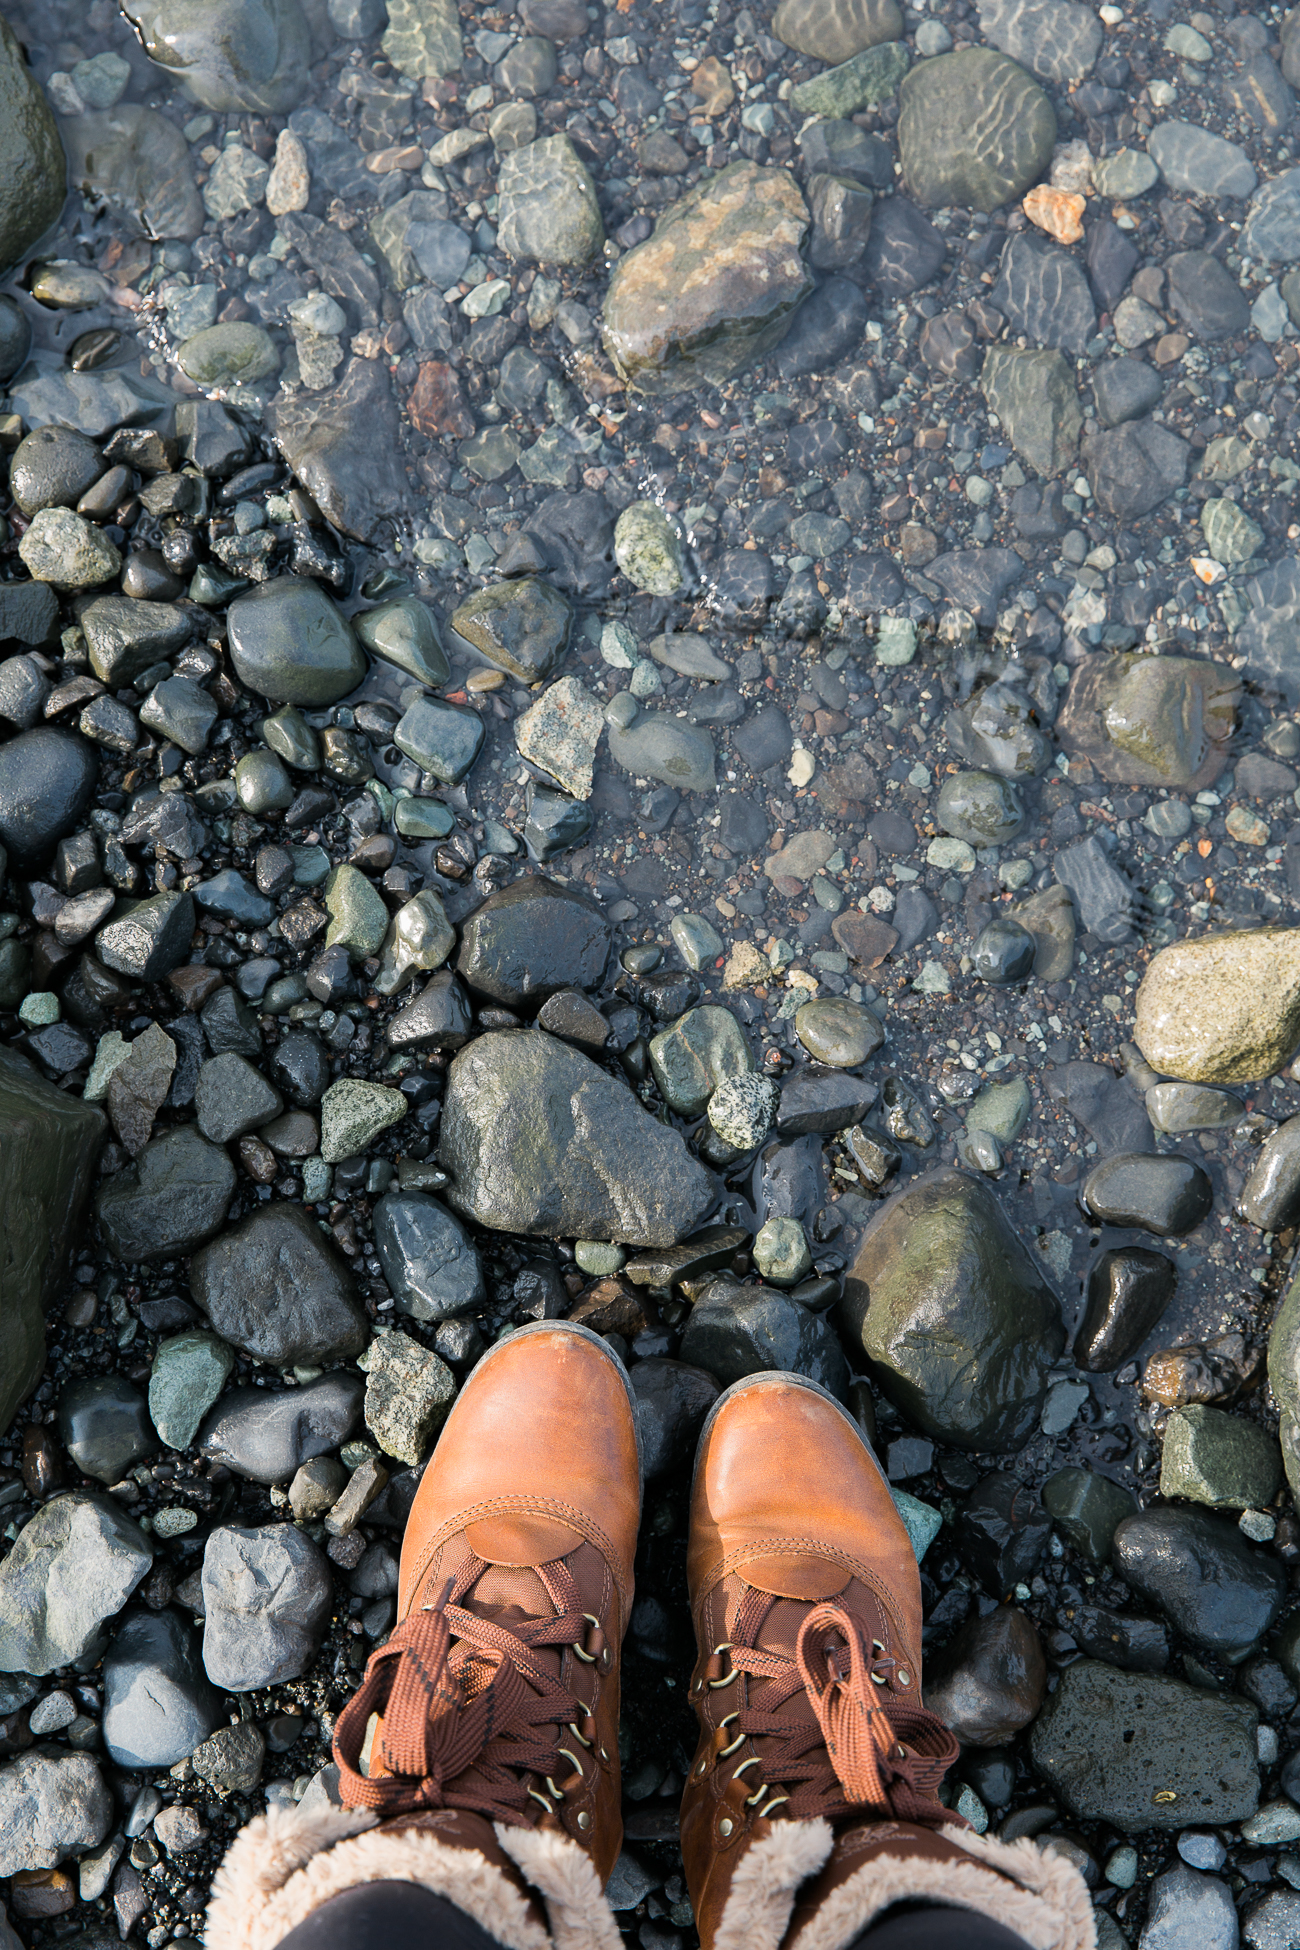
(286, 1863)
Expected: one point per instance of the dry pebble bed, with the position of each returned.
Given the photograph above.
(737, 564)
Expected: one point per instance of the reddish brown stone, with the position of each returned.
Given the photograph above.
(36, 1893)
(846, 790)
(195, 983)
(613, 1307)
(864, 937)
(436, 404)
(989, 1681)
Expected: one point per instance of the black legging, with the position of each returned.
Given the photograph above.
(402, 1916)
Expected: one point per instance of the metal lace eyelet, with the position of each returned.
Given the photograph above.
(751, 1762)
(715, 1685)
(588, 1658)
(775, 1802)
(698, 1686)
(876, 1646)
(726, 1825)
(579, 1737)
(904, 1678)
(573, 1761)
(542, 1800)
(604, 1753)
(703, 1766)
(584, 1820)
(878, 1679)
(739, 1740)
(557, 1792)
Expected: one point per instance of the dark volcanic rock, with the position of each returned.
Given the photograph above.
(345, 447)
(1134, 467)
(289, 643)
(1161, 1194)
(47, 779)
(989, 1681)
(48, 1146)
(941, 1253)
(530, 940)
(1206, 1579)
(1145, 1752)
(172, 1199)
(150, 939)
(439, 1018)
(1002, 1530)
(105, 1427)
(672, 1400)
(430, 1264)
(1128, 1291)
(537, 1139)
(274, 1289)
(737, 1330)
(268, 1436)
(1044, 294)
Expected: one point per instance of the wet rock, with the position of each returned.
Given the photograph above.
(649, 550)
(266, 1601)
(1114, 1745)
(1269, 1924)
(105, 1427)
(423, 38)
(403, 633)
(1057, 40)
(838, 1032)
(944, 1247)
(520, 625)
(1220, 1369)
(443, 739)
(1205, 297)
(432, 1269)
(409, 1392)
(715, 287)
(1220, 1459)
(1087, 1509)
(1224, 1008)
(50, 1809)
(48, 1147)
(1194, 159)
(232, 1098)
(171, 1200)
(1002, 1532)
(548, 208)
(1185, 1907)
(822, 1102)
(267, 1437)
(52, 467)
(904, 250)
(1161, 1194)
(439, 1018)
(345, 446)
(1270, 1197)
(838, 31)
(15, 338)
(1125, 389)
(865, 80)
(289, 643)
(233, 353)
(737, 1330)
(158, 1702)
(1102, 892)
(1132, 1644)
(1179, 1107)
(672, 1399)
(273, 1288)
(151, 939)
(973, 130)
(32, 166)
(530, 940)
(1003, 952)
(995, 730)
(1044, 295)
(1284, 1378)
(189, 1372)
(72, 1567)
(980, 808)
(1133, 468)
(238, 54)
(1204, 1576)
(1128, 1291)
(990, 1680)
(1106, 1105)
(594, 1165)
(47, 780)
(700, 1051)
(658, 745)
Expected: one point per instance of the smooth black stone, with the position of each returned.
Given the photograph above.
(1002, 1532)
(915, 916)
(151, 939)
(60, 1048)
(439, 1018)
(210, 436)
(823, 1101)
(554, 822)
(1003, 952)
(672, 1400)
(991, 1771)
(105, 1427)
(744, 829)
(1267, 1686)
(300, 1066)
(1161, 1194)
(569, 1014)
(267, 1435)
(737, 1330)
(576, 534)
(1110, 259)
(159, 1703)
(1133, 1644)
(531, 939)
(789, 1182)
(29, 612)
(904, 250)
(429, 1262)
(1128, 1291)
(52, 467)
(1206, 1579)
(230, 1025)
(1270, 1197)
(47, 780)
(668, 993)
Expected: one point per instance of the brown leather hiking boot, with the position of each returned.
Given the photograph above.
(813, 1795)
(480, 1756)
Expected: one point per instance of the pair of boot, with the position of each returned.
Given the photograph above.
(479, 1759)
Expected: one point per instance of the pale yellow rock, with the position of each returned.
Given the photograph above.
(745, 966)
(1223, 1009)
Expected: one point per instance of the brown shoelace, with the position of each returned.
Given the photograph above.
(469, 1714)
(869, 1749)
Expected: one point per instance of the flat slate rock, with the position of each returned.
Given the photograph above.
(532, 939)
(1058, 40)
(1044, 295)
(345, 448)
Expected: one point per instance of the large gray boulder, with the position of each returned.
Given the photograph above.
(266, 1599)
(71, 1568)
(50, 1809)
(33, 171)
(48, 1146)
(538, 1139)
